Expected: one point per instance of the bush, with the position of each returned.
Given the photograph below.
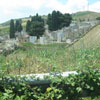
(72, 87)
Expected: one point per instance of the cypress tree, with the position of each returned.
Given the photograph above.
(57, 20)
(28, 25)
(17, 25)
(12, 29)
(20, 28)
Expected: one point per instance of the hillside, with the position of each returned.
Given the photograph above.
(4, 27)
(91, 39)
(77, 15)
(86, 15)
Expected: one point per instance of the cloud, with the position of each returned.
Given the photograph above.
(8, 6)
(95, 7)
(22, 8)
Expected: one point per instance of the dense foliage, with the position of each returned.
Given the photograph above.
(73, 87)
(18, 26)
(36, 58)
(12, 29)
(98, 18)
(57, 20)
(28, 25)
(15, 27)
(35, 27)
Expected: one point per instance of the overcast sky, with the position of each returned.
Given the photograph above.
(10, 9)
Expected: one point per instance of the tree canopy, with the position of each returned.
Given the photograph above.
(57, 20)
(18, 26)
(35, 27)
(98, 18)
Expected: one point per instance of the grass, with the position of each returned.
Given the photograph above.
(86, 15)
(4, 30)
(36, 58)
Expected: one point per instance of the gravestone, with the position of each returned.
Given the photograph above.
(60, 35)
(33, 39)
(42, 40)
(68, 41)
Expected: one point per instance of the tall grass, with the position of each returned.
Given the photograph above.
(36, 58)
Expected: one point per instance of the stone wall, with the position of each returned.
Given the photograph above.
(74, 31)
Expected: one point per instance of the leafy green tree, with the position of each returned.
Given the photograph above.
(36, 29)
(12, 29)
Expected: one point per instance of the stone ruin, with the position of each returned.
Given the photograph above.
(66, 34)
(8, 45)
(73, 32)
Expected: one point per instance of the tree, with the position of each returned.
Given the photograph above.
(57, 20)
(12, 29)
(36, 29)
(66, 20)
(98, 18)
(49, 22)
(28, 25)
(18, 26)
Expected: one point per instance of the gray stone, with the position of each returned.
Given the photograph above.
(43, 40)
(68, 41)
(33, 39)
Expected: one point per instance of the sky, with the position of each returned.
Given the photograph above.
(12, 9)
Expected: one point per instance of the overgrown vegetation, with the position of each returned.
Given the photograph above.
(36, 58)
(73, 87)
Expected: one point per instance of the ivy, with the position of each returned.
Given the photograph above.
(73, 87)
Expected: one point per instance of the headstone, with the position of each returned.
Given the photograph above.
(60, 35)
(42, 40)
(32, 39)
(68, 41)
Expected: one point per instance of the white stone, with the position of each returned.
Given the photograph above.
(42, 40)
(33, 39)
(68, 41)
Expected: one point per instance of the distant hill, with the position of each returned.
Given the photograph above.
(24, 20)
(4, 27)
(85, 15)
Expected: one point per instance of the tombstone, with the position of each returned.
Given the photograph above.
(33, 39)
(68, 41)
(42, 40)
(54, 35)
(60, 35)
